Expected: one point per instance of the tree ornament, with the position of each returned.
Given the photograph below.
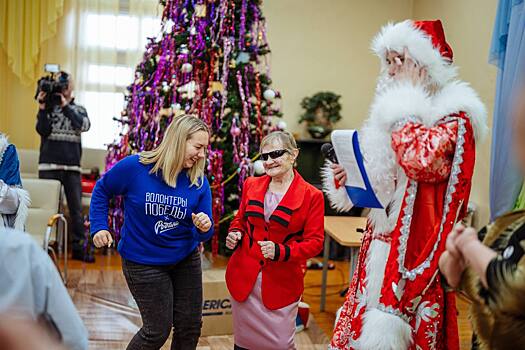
(186, 68)
(258, 167)
(168, 26)
(235, 131)
(281, 125)
(200, 10)
(269, 95)
(184, 49)
(242, 57)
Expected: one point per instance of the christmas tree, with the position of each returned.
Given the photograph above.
(211, 60)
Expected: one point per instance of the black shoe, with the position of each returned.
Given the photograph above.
(82, 256)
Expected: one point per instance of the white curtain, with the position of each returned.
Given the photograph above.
(105, 40)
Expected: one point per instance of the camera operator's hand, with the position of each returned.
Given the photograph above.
(40, 98)
(63, 101)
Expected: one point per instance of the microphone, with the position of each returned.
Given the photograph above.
(329, 153)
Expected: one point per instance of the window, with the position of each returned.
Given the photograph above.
(122, 32)
(102, 107)
(109, 48)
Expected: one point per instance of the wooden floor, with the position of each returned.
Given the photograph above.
(109, 312)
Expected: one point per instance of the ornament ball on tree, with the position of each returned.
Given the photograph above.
(258, 167)
(186, 68)
(281, 125)
(236, 131)
(269, 95)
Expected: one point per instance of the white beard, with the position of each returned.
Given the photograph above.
(384, 82)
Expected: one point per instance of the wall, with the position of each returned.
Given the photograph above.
(4, 70)
(470, 36)
(322, 45)
(325, 46)
(17, 110)
(17, 105)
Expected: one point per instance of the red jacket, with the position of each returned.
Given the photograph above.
(297, 228)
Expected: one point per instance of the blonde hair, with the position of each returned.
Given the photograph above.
(284, 137)
(168, 157)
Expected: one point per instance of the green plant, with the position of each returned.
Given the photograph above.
(323, 108)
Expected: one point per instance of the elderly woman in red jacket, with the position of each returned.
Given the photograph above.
(278, 226)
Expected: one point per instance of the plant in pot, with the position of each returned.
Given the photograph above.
(321, 111)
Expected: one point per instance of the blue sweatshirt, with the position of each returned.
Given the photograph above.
(158, 229)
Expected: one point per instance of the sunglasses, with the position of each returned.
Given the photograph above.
(273, 154)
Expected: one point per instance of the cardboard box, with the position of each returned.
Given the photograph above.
(216, 304)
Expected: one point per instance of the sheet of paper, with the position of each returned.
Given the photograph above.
(348, 152)
(343, 146)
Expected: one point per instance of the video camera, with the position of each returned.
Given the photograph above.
(53, 85)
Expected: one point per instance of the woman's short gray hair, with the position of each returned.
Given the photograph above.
(283, 137)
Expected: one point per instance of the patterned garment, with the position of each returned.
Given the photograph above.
(418, 144)
(426, 153)
(63, 128)
(60, 130)
(410, 288)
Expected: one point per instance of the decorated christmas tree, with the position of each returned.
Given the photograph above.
(210, 59)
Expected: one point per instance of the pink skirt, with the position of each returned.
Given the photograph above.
(256, 327)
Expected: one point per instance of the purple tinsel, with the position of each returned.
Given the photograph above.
(207, 38)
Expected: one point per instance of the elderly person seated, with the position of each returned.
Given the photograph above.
(491, 272)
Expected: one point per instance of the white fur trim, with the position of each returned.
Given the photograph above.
(23, 208)
(401, 101)
(338, 197)
(375, 271)
(337, 316)
(459, 96)
(379, 220)
(380, 160)
(398, 36)
(384, 331)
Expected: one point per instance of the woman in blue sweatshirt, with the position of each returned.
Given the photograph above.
(167, 201)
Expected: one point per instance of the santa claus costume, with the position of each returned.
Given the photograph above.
(419, 149)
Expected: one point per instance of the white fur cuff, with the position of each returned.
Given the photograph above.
(338, 197)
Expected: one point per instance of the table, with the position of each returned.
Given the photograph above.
(348, 232)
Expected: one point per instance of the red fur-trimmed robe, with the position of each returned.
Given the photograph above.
(419, 152)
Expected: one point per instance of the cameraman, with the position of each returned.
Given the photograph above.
(60, 122)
